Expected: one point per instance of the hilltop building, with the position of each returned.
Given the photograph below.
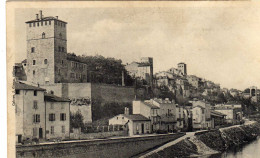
(142, 70)
(183, 68)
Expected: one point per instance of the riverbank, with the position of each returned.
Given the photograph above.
(210, 142)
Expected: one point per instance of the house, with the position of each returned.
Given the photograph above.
(201, 109)
(57, 116)
(166, 112)
(217, 118)
(136, 123)
(233, 115)
(29, 112)
(149, 111)
(180, 117)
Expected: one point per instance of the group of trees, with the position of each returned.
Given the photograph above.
(104, 70)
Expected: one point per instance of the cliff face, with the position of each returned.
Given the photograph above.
(212, 141)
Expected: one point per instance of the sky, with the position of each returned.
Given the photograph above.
(221, 44)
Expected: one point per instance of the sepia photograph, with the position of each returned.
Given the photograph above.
(133, 79)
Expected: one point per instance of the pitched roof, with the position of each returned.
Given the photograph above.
(54, 98)
(136, 117)
(151, 105)
(23, 86)
(217, 113)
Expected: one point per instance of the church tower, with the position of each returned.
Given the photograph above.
(46, 50)
(183, 68)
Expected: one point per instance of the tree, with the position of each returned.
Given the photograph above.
(76, 120)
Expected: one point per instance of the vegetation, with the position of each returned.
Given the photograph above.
(76, 120)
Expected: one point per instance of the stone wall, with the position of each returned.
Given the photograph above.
(99, 135)
(105, 148)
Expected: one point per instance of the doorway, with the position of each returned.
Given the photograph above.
(40, 133)
(142, 128)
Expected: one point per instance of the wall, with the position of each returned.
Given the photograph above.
(100, 135)
(105, 148)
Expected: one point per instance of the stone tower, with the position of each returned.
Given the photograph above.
(46, 50)
(183, 68)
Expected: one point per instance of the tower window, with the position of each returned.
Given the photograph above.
(33, 72)
(43, 35)
(35, 93)
(45, 61)
(38, 24)
(32, 49)
(34, 62)
(49, 22)
(45, 22)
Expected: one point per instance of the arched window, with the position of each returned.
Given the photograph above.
(43, 35)
(45, 61)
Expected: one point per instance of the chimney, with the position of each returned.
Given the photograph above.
(126, 111)
(40, 14)
(37, 17)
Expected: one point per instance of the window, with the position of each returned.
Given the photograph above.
(59, 71)
(32, 50)
(35, 93)
(147, 126)
(17, 91)
(33, 72)
(34, 132)
(38, 24)
(43, 35)
(35, 105)
(36, 118)
(137, 127)
(62, 49)
(59, 48)
(72, 63)
(202, 111)
(117, 118)
(45, 22)
(62, 116)
(122, 118)
(62, 62)
(33, 24)
(52, 129)
(34, 62)
(45, 61)
(62, 129)
(49, 22)
(41, 23)
(30, 24)
(51, 117)
(76, 76)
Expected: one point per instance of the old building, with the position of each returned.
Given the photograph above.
(142, 70)
(233, 115)
(136, 123)
(217, 119)
(29, 112)
(183, 68)
(57, 117)
(148, 110)
(47, 59)
(180, 117)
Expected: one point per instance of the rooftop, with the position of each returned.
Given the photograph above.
(151, 105)
(54, 98)
(23, 86)
(217, 113)
(136, 117)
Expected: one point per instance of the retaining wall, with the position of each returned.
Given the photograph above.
(104, 148)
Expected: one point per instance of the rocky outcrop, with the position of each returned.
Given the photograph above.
(211, 142)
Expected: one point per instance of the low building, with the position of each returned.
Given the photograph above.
(233, 115)
(136, 123)
(57, 117)
(217, 118)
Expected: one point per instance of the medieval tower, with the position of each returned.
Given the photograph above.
(46, 50)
